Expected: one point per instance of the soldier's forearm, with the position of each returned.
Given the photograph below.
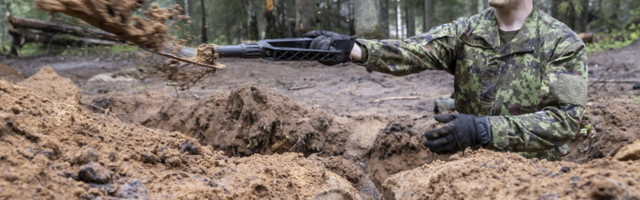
(539, 131)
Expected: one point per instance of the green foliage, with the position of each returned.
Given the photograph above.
(571, 6)
(614, 40)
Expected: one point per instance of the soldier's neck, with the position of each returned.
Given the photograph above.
(512, 18)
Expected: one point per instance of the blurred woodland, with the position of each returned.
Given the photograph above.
(613, 22)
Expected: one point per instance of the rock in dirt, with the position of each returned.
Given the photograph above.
(10, 74)
(84, 156)
(491, 175)
(49, 84)
(352, 172)
(94, 173)
(629, 152)
(133, 189)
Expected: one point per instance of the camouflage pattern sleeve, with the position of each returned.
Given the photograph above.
(565, 87)
(428, 51)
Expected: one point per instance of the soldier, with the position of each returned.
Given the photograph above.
(520, 78)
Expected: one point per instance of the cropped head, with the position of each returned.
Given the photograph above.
(506, 4)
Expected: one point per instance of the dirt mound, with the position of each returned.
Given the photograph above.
(47, 83)
(53, 148)
(117, 17)
(613, 123)
(491, 175)
(10, 74)
(629, 152)
(353, 173)
(399, 147)
(255, 120)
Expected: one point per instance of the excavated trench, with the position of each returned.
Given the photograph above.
(367, 150)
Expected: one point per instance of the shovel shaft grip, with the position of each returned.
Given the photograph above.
(292, 49)
(240, 51)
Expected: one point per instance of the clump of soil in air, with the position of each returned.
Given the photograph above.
(181, 75)
(53, 148)
(485, 174)
(117, 17)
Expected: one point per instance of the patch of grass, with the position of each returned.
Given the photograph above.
(141, 88)
(118, 49)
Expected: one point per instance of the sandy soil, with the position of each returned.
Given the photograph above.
(491, 175)
(54, 148)
(320, 125)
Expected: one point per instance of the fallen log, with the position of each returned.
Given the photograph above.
(24, 23)
(21, 37)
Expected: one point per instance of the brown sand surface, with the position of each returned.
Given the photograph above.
(491, 175)
(53, 148)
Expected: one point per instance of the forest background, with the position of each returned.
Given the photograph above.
(613, 23)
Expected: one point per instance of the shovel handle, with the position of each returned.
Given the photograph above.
(291, 49)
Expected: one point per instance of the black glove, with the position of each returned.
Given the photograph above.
(460, 132)
(323, 40)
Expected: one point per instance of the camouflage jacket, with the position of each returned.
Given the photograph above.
(534, 88)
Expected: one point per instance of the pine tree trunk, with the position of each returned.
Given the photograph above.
(276, 21)
(428, 20)
(304, 13)
(205, 38)
(366, 15)
(352, 20)
(186, 8)
(398, 17)
(384, 17)
(473, 7)
(410, 19)
(252, 31)
(554, 9)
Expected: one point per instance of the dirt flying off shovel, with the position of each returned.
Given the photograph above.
(292, 49)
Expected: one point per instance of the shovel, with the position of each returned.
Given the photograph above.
(290, 49)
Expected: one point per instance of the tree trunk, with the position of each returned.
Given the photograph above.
(410, 19)
(366, 15)
(252, 31)
(554, 9)
(583, 19)
(384, 17)
(352, 19)
(186, 8)
(398, 17)
(205, 38)
(485, 4)
(275, 17)
(304, 13)
(473, 7)
(427, 15)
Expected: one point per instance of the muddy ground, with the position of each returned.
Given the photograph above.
(290, 130)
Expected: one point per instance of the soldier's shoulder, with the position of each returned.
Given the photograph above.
(556, 29)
